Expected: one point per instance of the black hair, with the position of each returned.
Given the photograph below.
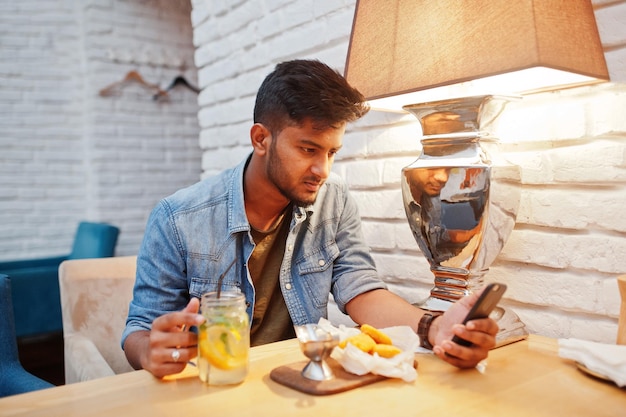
(306, 89)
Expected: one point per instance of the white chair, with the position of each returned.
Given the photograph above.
(95, 294)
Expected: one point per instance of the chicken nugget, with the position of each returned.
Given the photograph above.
(361, 341)
(377, 335)
(386, 351)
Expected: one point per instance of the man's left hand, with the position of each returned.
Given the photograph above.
(481, 333)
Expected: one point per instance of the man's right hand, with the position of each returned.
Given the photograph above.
(154, 350)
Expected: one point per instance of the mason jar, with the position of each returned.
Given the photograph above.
(223, 339)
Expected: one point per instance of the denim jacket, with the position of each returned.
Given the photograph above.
(193, 235)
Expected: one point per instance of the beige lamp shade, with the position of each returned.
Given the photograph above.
(425, 50)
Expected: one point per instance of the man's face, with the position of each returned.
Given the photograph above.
(429, 181)
(299, 160)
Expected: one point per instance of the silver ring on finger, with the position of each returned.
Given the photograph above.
(175, 355)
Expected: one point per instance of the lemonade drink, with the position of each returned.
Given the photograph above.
(223, 339)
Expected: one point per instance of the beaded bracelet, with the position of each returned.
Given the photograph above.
(424, 326)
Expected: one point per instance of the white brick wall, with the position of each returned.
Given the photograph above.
(68, 154)
(569, 242)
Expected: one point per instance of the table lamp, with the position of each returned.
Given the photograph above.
(455, 64)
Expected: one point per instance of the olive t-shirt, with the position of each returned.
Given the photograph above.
(270, 321)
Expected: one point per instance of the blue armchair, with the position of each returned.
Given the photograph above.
(14, 379)
(35, 282)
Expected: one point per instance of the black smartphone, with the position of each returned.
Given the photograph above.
(483, 307)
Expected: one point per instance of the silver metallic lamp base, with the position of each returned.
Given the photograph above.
(511, 327)
(461, 203)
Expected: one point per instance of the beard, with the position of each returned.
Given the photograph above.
(278, 174)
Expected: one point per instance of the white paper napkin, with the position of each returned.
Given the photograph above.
(358, 362)
(604, 359)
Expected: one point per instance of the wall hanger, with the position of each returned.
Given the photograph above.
(132, 76)
(179, 80)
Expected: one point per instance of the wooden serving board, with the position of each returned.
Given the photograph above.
(291, 376)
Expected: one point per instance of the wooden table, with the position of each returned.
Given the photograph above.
(526, 379)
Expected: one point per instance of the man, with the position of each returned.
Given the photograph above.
(426, 182)
(293, 229)
(446, 227)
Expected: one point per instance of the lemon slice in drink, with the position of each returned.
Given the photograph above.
(222, 347)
